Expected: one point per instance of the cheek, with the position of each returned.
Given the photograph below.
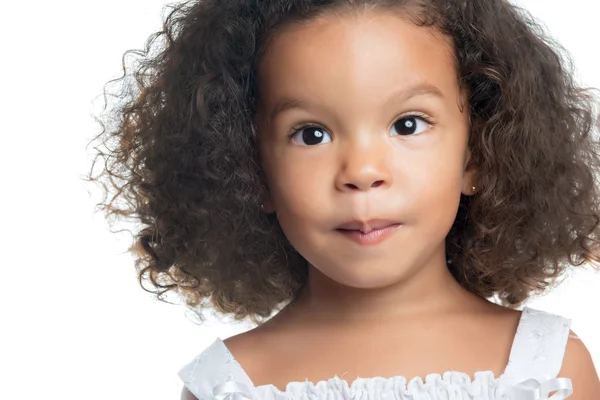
(437, 190)
(299, 195)
(299, 188)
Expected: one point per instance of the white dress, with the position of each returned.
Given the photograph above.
(531, 374)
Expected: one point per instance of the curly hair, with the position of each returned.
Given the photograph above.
(180, 154)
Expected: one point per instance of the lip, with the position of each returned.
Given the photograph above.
(369, 232)
(367, 226)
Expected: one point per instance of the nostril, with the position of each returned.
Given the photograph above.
(357, 187)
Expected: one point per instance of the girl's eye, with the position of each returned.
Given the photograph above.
(406, 126)
(311, 135)
(411, 125)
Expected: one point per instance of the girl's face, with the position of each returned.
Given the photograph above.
(362, 129)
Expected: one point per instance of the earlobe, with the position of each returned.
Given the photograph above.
(266, 205)
(470, 186)
(469, 180)
(266, 202)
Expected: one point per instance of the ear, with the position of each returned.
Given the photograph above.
(266, 207)
(470, 172)
(266, 204)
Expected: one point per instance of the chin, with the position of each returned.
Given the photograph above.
(364, 275)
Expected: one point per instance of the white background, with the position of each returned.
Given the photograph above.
(74, 322)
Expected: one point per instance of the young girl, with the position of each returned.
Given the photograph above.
(380, 172)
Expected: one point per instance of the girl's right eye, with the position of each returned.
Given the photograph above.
(308, 135)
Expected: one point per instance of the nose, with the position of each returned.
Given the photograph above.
(363, 167)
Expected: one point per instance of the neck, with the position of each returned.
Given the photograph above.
(430, 289)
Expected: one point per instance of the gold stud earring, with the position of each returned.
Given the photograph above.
(474, 189)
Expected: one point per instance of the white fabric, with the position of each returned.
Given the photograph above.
(531, 374)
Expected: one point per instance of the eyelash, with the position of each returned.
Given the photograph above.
(423, 116)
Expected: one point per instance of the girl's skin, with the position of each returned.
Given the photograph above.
(390, 308)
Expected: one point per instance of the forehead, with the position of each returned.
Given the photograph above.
(365, 54)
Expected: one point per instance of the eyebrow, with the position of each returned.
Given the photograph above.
(421, 89)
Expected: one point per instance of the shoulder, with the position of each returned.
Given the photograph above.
(263, 351)
(187, 395)
(579, 367)
(218, 362)
(251, 352)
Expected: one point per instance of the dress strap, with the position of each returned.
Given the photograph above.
(215, 374)
(538, 347)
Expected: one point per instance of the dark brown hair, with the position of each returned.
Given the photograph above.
(179, 154)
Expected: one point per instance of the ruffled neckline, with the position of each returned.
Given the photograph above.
(396, 384)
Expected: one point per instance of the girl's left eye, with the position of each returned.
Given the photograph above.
(411, 125)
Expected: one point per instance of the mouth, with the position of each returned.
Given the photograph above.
(368, 232)
(366, 227)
